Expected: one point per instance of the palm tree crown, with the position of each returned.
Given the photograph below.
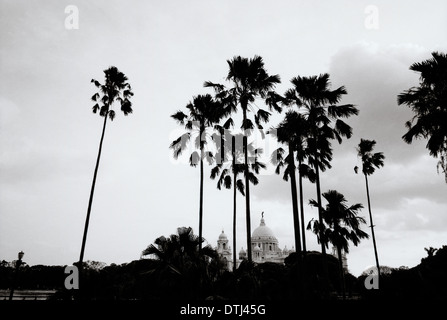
(370, 160)
(341, 223)
(429, 103)
(203, 113)
(115, 88)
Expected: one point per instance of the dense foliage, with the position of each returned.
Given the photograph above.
(266, 281)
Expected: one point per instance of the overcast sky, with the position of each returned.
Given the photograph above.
(49, 136)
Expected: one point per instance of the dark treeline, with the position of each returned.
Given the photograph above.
(153, 279)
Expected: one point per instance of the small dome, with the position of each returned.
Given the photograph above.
(223, 236)
(257, 249)
(242, 251)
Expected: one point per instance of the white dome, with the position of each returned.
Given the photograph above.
(263, 232)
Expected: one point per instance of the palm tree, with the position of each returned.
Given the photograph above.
(249, 81)
(228, 176)
(318, 104)
(292, 131)
(203, 113)
(182, 262)
(429, 103)
(370, 161)
(115, 89)
(341, 225)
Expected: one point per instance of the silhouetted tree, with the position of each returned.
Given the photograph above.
(318, 104)
(228, 174)
(203, 113)
(183, 264)
(249, 81)
(341, 225)
(292, 131)
(430, 251)
(115, 89)
(370, 161)
(429, 103)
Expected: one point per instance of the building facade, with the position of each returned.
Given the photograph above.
(265, 247)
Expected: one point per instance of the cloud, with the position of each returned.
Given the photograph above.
(407, 194)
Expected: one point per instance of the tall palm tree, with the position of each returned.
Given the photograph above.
(429, 103)
(228, 175)
(318, 103)
(292, 131)
(249, 81)
(370, 161)
(341, 225)
(203, 113)
(115, 89)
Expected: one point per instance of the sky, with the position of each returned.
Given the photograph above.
(50, 50)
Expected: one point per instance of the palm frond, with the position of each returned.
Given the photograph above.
(95, 108)
(111, 115)
(97, 84)
(179, 116)
(194, 159)
(240, 186)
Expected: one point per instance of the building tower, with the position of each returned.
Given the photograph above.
(224, 250)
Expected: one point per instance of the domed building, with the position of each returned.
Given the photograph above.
(265, 247)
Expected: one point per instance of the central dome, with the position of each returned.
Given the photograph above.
(263, 232)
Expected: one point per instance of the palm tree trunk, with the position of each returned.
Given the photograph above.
(201, 201)
(233, 155)
(342, 272)
(303, 230)
(234, 222)
(92, 191)
(320, 232)
(300, 177)
(296, 220)
(372, 227)
(89, 209)
(320, 216)
(247, 188)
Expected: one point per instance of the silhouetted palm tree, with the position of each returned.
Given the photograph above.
(429, 103)
(341, 225)
(228, 176)
(115, 89)
(318, 104)
(370, 161)
(183, 263)
(203, 113)
(249, 81)
(292, 131)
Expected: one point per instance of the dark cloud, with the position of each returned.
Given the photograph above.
(407, 194)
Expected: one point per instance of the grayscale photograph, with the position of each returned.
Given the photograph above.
(223, 158)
